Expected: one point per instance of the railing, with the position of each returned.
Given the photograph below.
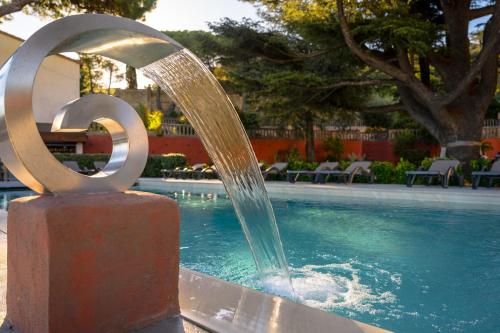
(178, 129)
(491, 129)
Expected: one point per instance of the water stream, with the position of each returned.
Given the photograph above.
(207, 107)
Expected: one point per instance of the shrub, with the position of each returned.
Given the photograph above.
(250, 120)
(480, 164)
(152, 119)
(426, 163)
(406, 146)
(83, 160)
(334, 148)
(383, 172)
(344, 164)
(157, 162)
(400, 170)
(153, 167)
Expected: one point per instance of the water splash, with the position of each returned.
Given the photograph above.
(207, 107)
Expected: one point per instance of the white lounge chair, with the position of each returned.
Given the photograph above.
(275, 169)
(360, 168)
(492, 174)
(293, 175)
(73, 165)
(441, 169)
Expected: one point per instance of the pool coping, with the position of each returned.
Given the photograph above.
(329, 192)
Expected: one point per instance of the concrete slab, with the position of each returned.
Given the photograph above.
(333, 191)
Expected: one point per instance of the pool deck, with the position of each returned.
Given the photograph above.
(209, 304)
(330, 191)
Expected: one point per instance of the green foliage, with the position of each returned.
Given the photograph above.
(426, 163)
(383, 172)
(83, 160)
(203, 44)
(157, 162)
(481, 164)
(250, 120)
(153, 166)
(400, 171)
(133, 9)
(334, 148)
(152, 119)
(302, 165)
(289, 78)
(493, 109)
(407, 146)
(344, 164)
(486, 146)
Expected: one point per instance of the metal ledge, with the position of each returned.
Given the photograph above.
(220, 306)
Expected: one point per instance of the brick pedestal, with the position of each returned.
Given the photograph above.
(92, 263)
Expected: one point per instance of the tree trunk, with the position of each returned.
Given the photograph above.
(110, 79)
(131, 77)
(459, 126)
(425, 72)
(309, 131)
(158, 99)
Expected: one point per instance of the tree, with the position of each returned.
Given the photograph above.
(289, 78)
(427, 36)
(134, 9)
(90, 74)
(203, 44)
(424, 45)
(131, 77)
(112, 70)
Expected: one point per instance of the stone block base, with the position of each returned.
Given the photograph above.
(92, 262)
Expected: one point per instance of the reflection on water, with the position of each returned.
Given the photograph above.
(205, 104)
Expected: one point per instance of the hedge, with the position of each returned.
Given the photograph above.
(153, 166)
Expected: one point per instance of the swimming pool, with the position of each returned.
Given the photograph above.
(404, 266)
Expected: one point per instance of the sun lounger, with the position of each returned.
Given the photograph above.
(293, 175)
(360, 168)
(99, 165)
(206, 172)
(275, 169)
(441, 169)
(181, 171)
(73, 165)
(189, 171)
(167, 173)
(492, 174)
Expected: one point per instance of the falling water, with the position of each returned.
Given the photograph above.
(207, 107)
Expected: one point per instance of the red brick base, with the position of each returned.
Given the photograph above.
(92, 263)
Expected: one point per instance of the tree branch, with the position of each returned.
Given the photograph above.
(480, 12)
(490, 46)
(14, 6)
(398, 73)
(367, 57)
(385, 108)
(356, 83)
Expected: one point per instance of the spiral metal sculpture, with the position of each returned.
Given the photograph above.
(22, 149)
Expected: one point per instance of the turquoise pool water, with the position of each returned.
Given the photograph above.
(407, 267)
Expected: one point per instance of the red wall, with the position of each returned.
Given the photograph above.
(495, 142)
(265, 149)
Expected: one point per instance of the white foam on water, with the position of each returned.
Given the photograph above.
(330, 287)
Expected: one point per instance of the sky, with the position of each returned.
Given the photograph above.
(168, 15)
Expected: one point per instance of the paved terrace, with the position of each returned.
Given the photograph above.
(332, 191)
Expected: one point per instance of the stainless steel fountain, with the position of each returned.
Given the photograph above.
(181, 75)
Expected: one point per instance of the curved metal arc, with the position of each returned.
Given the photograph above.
(128, 135)
(22, 148)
